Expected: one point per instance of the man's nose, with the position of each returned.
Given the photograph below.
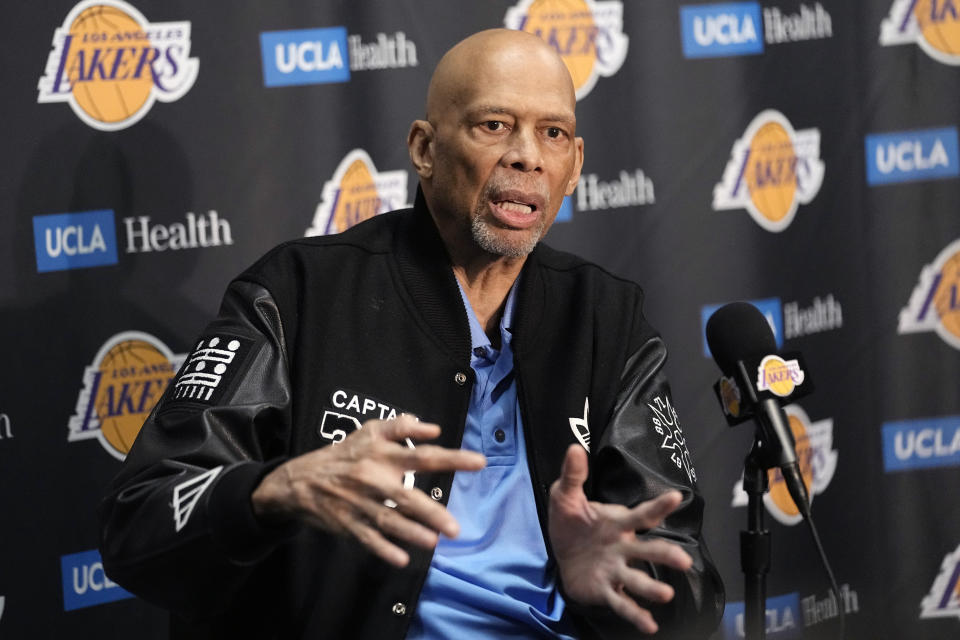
(524, 151)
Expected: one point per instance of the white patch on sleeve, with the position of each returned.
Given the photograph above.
(186, 494)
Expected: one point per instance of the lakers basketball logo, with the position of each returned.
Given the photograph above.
(943, 599)
(772, 169)
(935, 302)
(357, 192)
(778, 376)
(588, 35)
(126, 379)
(817, 460)
(110, 64)
(934, 25)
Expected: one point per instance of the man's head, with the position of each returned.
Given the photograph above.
(498, 150)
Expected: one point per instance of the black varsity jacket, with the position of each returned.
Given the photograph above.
(324, 333)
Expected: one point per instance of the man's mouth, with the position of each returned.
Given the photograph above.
(515, 206)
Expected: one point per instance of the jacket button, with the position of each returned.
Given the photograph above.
(460, 378)
(436, 493)
(399, 608)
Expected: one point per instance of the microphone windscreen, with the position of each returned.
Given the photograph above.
(737, 331)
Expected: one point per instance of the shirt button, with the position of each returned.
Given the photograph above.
(436, 493)
(499, 435)
(460, 378)
(479, 352)
(399, 608)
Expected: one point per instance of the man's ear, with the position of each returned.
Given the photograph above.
(577, 167)
(420, 147)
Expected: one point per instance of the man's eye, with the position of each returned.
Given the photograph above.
(554, 132)
(493, 125)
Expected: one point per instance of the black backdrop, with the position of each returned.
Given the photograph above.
(801, 155)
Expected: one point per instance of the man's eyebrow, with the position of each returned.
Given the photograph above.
(494, 109)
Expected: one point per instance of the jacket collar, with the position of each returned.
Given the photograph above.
(426, 271)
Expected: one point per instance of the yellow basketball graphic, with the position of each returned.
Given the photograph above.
(946, 300)
(132, 377)
(108, 99)
(940, 27)
(770, 173)
(568, 26)
(778, 488)
(358, 198)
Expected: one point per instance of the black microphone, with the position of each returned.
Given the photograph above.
(756, 380)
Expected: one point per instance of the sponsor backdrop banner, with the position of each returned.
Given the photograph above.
(800, 155)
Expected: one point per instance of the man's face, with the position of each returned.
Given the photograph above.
(505, 154)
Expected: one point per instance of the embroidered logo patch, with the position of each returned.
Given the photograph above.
(667, 426)
(350, 410)
(186, 494)
(580, 427)
(211, 368)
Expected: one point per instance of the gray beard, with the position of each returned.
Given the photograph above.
(490, 242)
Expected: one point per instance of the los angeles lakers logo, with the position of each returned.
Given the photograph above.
(817, 459)
(934, 25)
(772, 169)
(935, 302)
(779, 376)
(588, 35)
(357, 192)
(128, 375)
(110, 64)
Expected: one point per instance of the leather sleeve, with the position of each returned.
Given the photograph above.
(641, 454)
(177, 526)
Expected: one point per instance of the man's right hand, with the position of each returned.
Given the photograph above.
(342, 488)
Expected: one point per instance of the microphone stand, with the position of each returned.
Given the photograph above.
(755, 544)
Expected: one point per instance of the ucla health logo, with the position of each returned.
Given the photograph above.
(943, 600)
(772, 169)
(934, 25)
(588, 35)
(304, 56)
(357, 192)
(908, 156)
(817, 459)
(781, 620)
(921, 444)
(74, 240)
(126, 379)
(935, 302)
(110, 64)
(84, 582)
(716, 30)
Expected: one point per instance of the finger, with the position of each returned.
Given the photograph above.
(376, 542)
(574, 471)
(397, 525)
(627, 608)
(650, 513)
(428, 457)
(643, 586)
(403, 426)
(658, 551)
(417, 506)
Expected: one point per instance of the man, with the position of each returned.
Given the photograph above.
(283, 487)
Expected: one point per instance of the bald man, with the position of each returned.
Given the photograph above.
(462, 432)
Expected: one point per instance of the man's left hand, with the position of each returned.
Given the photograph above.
(595, 545)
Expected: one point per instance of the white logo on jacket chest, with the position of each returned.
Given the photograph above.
(351, 410)
(667, 426)
(580, 427)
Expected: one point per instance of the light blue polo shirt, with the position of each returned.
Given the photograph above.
(491, 581)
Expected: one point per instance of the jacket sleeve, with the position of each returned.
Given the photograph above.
(641, 454)
(177, 526)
